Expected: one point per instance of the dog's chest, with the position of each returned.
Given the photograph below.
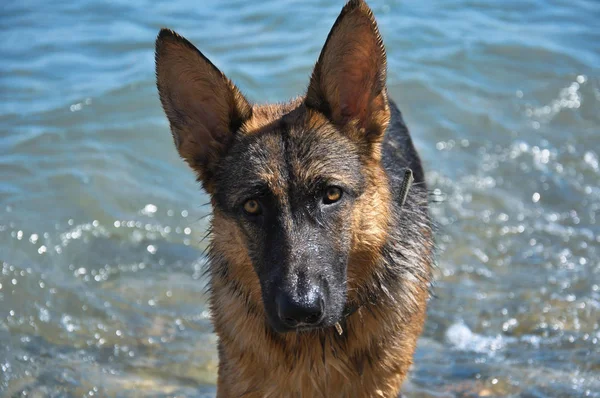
(325, 371)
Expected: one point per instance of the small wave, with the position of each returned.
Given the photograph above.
(462, 338)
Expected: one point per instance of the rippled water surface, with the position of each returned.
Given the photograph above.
(101, 224)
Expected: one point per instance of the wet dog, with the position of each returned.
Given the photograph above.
(320, 255)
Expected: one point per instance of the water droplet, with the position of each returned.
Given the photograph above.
(76, 107)
(149, 209)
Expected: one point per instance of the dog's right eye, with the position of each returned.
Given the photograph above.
(252, 207)
(332, 195)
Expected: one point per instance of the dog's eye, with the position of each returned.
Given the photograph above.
(332, 195)
(252, 207)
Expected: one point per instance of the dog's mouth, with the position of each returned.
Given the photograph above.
(290, 326)
(305, 327)
(338, 328)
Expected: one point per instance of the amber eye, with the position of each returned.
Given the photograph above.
(332, 195)
(252, 207)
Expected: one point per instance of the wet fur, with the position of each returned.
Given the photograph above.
(389, 253)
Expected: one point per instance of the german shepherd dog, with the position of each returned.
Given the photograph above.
(320, 260)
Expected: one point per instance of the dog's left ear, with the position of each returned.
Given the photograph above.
(348, 82)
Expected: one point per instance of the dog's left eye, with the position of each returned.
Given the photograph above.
(332, 195)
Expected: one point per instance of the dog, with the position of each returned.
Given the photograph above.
(321, 253)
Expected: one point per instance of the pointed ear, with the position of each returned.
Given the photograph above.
(348, 82)
(204, 107)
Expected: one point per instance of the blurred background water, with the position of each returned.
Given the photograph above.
(101, 224)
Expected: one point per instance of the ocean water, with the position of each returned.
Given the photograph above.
(102, 225)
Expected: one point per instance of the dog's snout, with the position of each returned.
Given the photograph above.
(307, 310)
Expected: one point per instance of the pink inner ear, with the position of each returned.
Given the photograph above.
(351, 107)
(348, 83)
(357, 78)
(355, 88)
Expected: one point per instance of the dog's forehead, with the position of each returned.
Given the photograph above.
(269, 115)
(289, 146)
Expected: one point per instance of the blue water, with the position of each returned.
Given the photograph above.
(101, 224)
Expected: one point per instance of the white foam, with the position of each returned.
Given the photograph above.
(462, 338)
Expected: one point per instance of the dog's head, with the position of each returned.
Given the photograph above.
(291, 181)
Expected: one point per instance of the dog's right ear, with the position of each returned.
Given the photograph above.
(203, 106)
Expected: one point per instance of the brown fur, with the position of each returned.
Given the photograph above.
(378, 341)
(346, 105)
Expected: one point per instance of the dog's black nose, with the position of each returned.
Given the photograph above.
(302, 311)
